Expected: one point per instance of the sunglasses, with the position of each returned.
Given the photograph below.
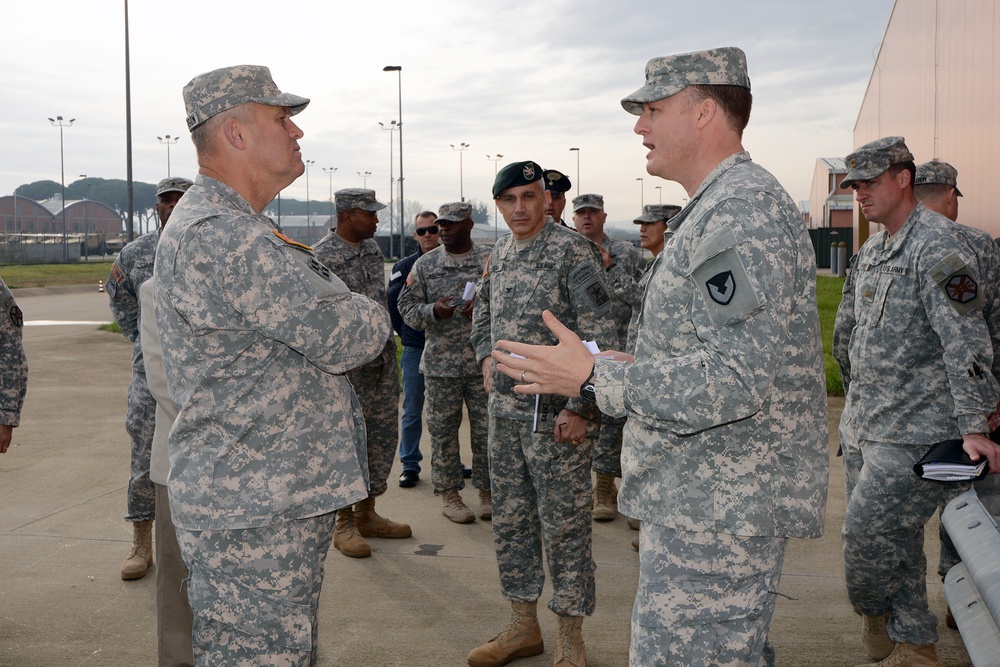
(433, 229)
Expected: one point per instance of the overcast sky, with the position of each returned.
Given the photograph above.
(527, 83)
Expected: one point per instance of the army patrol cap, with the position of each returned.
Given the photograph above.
(174, 184)
(669, 75)
(657, 213)
(516, 174)
(222, 89)
(456, 211)
(360, 198)
(936, 172)
(556, 181)
(874, 158)
(588, 201)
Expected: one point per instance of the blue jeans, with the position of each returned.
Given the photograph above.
(413, 406)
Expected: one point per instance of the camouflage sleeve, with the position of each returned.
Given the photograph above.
(124, 301)
(14, 378)
(949, 279)
(481, 335)
(591, 308)
(413, 306)
(287, 295)
(623, 285)
(843, 328)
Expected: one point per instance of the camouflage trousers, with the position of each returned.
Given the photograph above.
(377, 387)
(541, 499)
(883, 535)
(608, 450)
(255, 592)
(704, 598)
(140, 419)
(444, 399)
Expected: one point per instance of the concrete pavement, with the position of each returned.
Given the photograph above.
(423, 601)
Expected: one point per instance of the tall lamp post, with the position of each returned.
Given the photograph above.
(495, 159)
(402, 216)
(58, 122)
(86, 220)
(659, 191)
(642, 193)
(168, 140)
(392, 213)
(364, 177)
(330, 172)
(309, 222)
(461, 148)
(577, 170)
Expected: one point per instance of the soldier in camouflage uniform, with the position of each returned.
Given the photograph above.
(14, 379)
(432, 301)
(936, 187)
(351, 253)
(917, 372)
(725, 448)
(133, 267)
(623, 264)
(539, 453)
(257, 336)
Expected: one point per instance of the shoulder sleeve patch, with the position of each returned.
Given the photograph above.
(955, 278)
(586, 282)
(726, 289)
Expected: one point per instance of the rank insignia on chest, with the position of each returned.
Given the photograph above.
(721, 287)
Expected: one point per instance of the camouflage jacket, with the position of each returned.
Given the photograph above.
(623, 284)
(132, 267)
(256, 337)
(726, 399)
(559, 270)
(918, 352)
(14, 378)
(447, 350)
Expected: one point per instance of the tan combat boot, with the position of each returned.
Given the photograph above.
(485, 504)
(910, 655)
(346, 538)
(141, 556)
(570, 649)
(520, 639)
(371, 524)
(456, 510)
(874, 636)
(605, 498)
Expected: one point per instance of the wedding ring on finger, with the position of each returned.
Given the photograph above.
(522, 377)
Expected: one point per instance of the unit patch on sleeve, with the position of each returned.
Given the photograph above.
(725, 288)
(955, 278)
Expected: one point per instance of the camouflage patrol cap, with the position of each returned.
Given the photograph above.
(588, 201)
(669, 75)
(174, 184)
(936, 172)
(360, 198)
(456, 211)
(213, 92)
(556, 181)
(874, 158)
(516, 174)
(657, 213)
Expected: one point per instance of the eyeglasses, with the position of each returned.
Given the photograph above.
(433, 229)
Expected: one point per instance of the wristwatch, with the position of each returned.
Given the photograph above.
(587, 390)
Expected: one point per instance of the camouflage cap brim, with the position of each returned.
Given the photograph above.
(211, 93)
(666, 76)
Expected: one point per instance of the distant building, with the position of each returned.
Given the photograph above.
(829, 204)
(20, 215)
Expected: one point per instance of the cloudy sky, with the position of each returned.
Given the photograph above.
(528, 83)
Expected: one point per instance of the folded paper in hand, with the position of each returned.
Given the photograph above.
(948, 461)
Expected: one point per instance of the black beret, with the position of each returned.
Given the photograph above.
(556, 181)
(516, 174)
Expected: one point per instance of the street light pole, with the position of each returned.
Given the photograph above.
(364, 175)
(402, 215)
(392, 213)
(642, 193)
(58, 122)
(330, 171)
(495, 160)
(659, 191)
(86, 220)
(577, 170)
(461, 148)
(309, 223)
(168, 140)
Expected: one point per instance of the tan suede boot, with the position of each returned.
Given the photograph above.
(485, 504)
(605, 498)
(570, 649)
(520, 639)
(456, 510)
(371, 524)
(346, 538)
(874, 636)
(141, 555)
(910, 655)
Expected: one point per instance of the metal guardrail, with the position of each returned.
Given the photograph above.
(972, 587)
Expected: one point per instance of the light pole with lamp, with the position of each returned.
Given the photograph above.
(86, 220)
(659, 191)
(58, 122)
(402, 216)
(642, 193)
(495, 159)
(168, 140)
(392, 164)
(364, 176)
(577, 170)
(309, 223)
(330, 171)
(461, 148)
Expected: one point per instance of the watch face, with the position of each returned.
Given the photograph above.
(587, 392)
